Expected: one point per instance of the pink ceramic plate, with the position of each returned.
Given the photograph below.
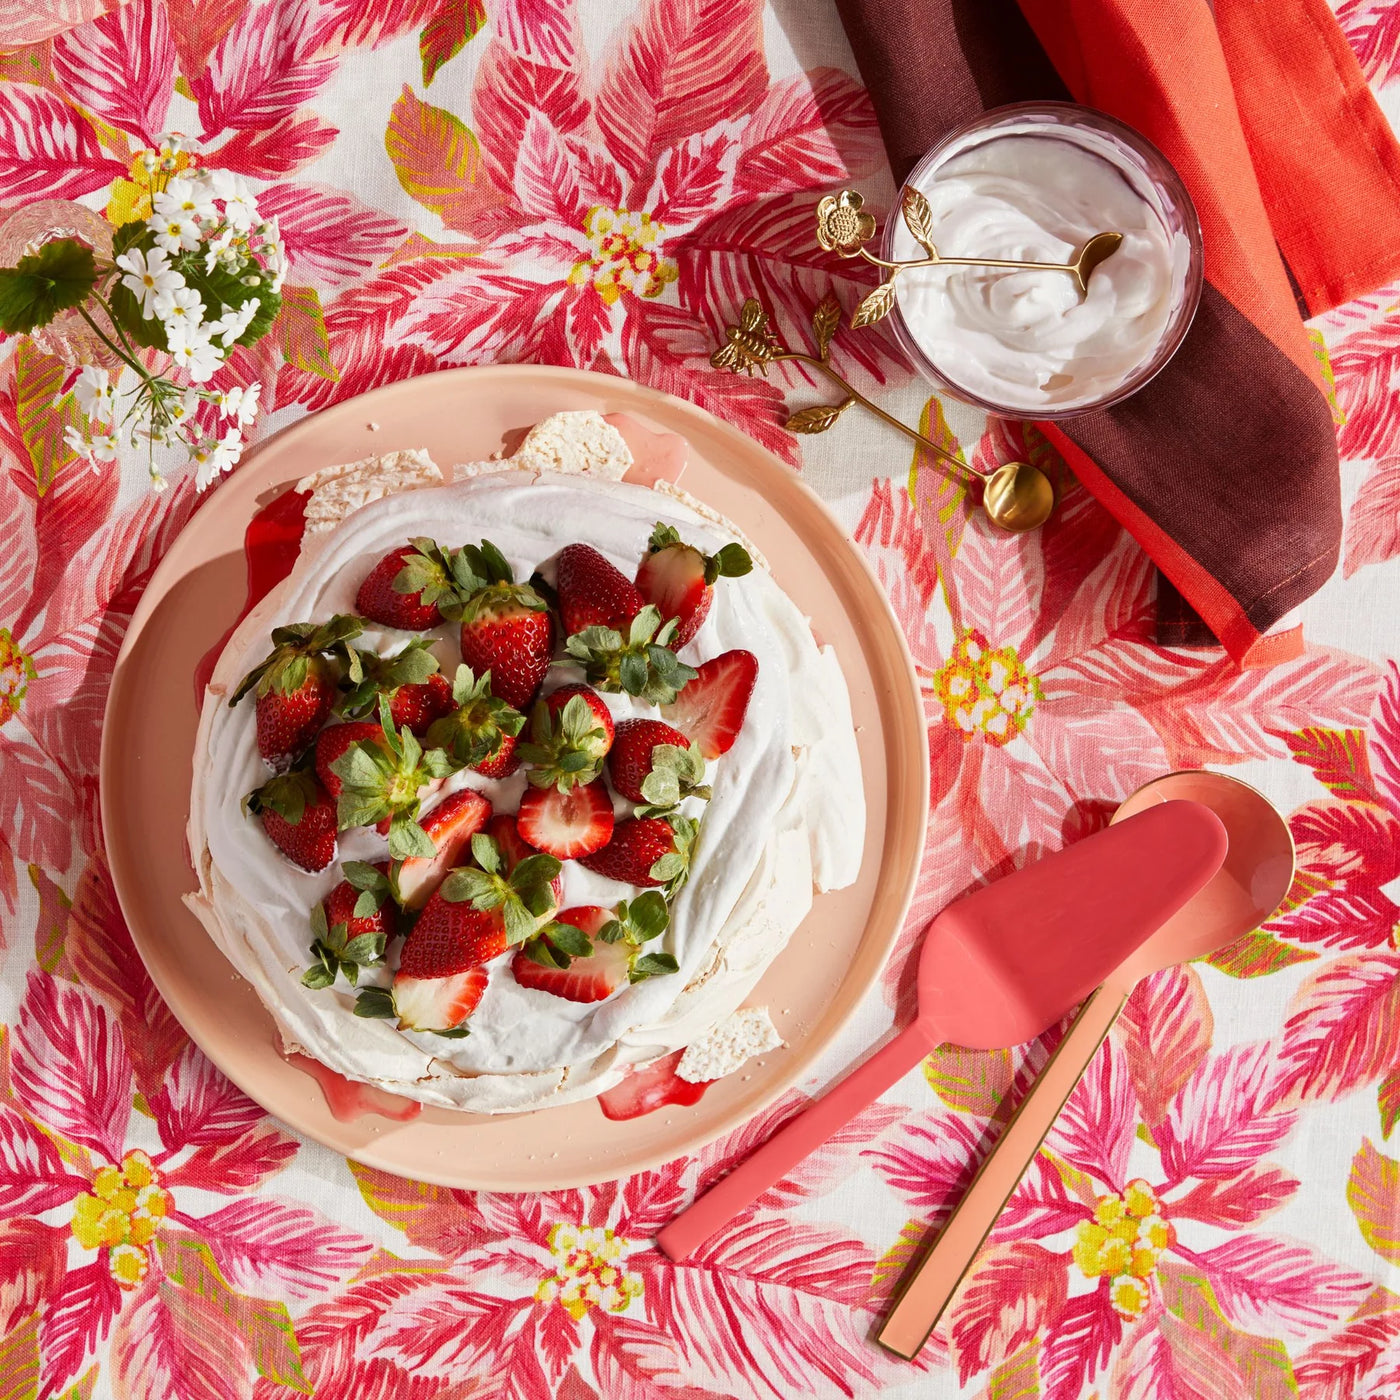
(148, 737)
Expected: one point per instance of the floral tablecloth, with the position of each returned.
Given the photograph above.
(600, 185)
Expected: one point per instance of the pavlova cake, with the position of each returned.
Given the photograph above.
(521, 778)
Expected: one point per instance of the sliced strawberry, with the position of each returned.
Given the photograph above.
(568, 739)
(503, 762)
(406, 587)
(591, 976)
(341, 901)
(647, 851)
(675, 773)
(679, 579)
(450, 826)
(437, 1003)
(503, 830)
(298, 815)
(566, 824)
(296, 685)
(710, 709)
(650, 1087)
(419, 705)
(332, 743)
(593, 592)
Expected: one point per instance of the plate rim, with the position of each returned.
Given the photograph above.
(367, 1153)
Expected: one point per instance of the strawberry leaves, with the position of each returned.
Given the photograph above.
(382, 675)
(428, 572)
(288, 795)
(566, 748)
(730, 561)
(675, 773)
(641, 665)
(384, 780)
(523, 896)
(473, 733)
(335, 953)
(484, 579)
(634, 923)
(295, 646)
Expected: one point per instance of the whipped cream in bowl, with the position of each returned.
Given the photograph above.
(1034, 182)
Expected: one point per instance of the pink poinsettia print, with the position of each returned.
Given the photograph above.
(124, 1257)
(563, 1296)
(618, 212)
(1131, 1261)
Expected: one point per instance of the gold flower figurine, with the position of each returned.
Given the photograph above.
(843, 226)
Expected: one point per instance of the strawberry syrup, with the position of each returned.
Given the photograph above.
(348, 1100)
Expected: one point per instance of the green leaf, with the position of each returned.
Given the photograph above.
(535, 871)
(376, 1003)
(486, 853)
(520, 923)
(568, 939)
(455, 1032)
(367, 904)
(467, 886)
(59, 275)
(1258, 954)
(407, 838)
(301, 327)
(733, 561)
(317, 977)
(648, 915)
(364, 876)
(447, 32)
(652, 965)
(365, 950)
(1373, 1193)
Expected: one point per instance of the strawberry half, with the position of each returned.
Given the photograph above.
(654, 764)
(450, 827)
(593, 592)
(567, 824)
(680, 579)
(577, 969)
(440, 979)
(567, 741)
(587, 952)
(297, 684)
(506, 626)
(647, 851)
(407, 586)
(298, 815)
(523, 896)
(650, 1087)
(710, 710)
(480, 729)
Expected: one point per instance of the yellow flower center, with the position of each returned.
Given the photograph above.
(121, 1214)
(1123, 1242)
(625, 256)
(986, 691)
(16, 671)
(131, 199)
(591, 1271)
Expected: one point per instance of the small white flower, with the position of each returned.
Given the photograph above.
(158, 482)
(239, 403)
(147, 276)
(182, 307)
(240, 207)
(212, 457)
(220, 248)
(76, 441)
(104, 447)
(193, 351)
(148, 161)
(180, 411)
(94, 391)
(184, 198)
(176, 234)
(228, 327)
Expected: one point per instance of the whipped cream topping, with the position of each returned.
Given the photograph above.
(786, 812)
(1026, 339)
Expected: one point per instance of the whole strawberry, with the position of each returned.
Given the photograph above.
(479, 730)
(522, 894)
(593, 592)
(647, 851)
(298, 815)
(418, 692)
(568, 740)
(654, 764)
(639, 662)
(351, 925)
(679, 578)
(297, 684)
(409, 587)
(506, 626)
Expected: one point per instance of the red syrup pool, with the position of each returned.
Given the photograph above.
(270, 546)
(349, 1100)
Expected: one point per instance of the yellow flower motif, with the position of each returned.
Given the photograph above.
(1157, 1233)
(591, 1271)
(131, 199)
(1089, 1239)
(1109, 1210)
(843, 225)
(1129, 1297)
(16, 671)
(986, 691)
(122, 1214)
(1144, 1263)
(625, 256)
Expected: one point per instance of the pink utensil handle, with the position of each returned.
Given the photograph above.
(929, 1285)
(770, 1163)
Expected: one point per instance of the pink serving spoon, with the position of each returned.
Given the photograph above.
(996, 968)
(1255, 876)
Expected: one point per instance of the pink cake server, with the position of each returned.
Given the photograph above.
(996, 968)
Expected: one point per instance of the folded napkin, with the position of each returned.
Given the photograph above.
(1225, 466)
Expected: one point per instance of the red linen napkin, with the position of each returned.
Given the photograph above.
(1225, 466)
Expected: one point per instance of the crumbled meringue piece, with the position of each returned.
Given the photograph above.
(582, 442)
(338, 491)
(726, 1045)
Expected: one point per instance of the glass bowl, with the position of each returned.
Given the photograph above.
(1151, 178)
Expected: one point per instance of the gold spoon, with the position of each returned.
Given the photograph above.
(1015, 497)
(844, 228)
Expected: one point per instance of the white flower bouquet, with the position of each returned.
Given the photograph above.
(202, 275)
